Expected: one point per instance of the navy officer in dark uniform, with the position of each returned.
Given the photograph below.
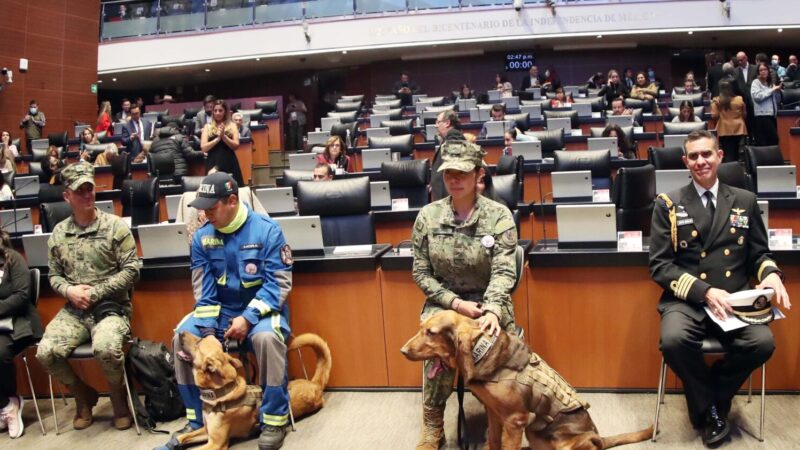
(707, 241)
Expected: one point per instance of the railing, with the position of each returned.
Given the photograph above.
(127, 18)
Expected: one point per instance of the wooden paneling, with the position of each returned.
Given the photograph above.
(46, 22)
(46, 77)
(43, 49)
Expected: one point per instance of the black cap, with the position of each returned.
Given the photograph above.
(213, 188)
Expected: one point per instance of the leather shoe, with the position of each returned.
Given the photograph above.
(716, 428)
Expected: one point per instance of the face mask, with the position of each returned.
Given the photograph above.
(34, 111)
(774, 62)
(651, 74)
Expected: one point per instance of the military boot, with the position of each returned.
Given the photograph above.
(432, 434)
(85, 399)
(271, 437)
(119, 403)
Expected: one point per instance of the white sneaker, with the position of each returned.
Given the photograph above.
(12, 416)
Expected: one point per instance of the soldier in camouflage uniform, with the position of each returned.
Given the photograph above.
(93, 264)
(464, 247)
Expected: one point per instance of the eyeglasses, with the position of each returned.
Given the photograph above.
(706, 154)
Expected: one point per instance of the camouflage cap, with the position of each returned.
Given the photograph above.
(461, 155)
(74, 175)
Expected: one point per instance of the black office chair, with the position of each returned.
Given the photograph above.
(635, 103)
(140, 201)
(435, 101)
(631, 142)
(51, 214)
(521, 120)
(684, 127)
(394, 114)
(733, 174)
(504, 189)
(666, 158)
(401, 144)
(343, 207)
(50, 193)
(341, 129)
(250, 115)
(711, 346)
(352, 98)
(597, 161)
(267, 106)
(290, 178)
(35, 169)
(633, 193)
(120, 169)
(790, 98)
(696, 99)
(190, 113)
(174, 120)
(162, 167)
(344, 117)
(392, 103)
(39, 154)
(399, 127)
(33, 295)
(191, 183)
(551, 140)
(767, 155)
(348, 106)
(674, 112)
(95, 150)
(408, 179)
(571, 115)
(60, 140)
(598, 103)
(508, 165)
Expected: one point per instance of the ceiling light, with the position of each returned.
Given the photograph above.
(208, 70)
(258, 59)
(691, 32)
(780, 30)
(114, 80)
(99, 81)
(599, 36)
(344, 52)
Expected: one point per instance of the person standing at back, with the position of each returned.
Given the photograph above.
(766, 101)
(728, 110)
(219, 142)
(33, 123)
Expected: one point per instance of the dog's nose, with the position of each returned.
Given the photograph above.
(404, 350)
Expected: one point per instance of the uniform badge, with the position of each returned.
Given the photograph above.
(250, 269)
(487, 241)
(737, 211)
(741, 240)
(739, 221)
(286, 255)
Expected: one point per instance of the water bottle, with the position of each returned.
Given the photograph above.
(348, 141)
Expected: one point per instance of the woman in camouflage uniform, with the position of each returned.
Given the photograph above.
(464, 247)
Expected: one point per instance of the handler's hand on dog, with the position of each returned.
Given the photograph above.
(716, 300)
(490, 324)
(238, 329)
(469, 309)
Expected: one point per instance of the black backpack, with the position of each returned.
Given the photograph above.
(150, 364)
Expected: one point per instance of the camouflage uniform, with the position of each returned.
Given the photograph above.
(102, 255)
(472, 260)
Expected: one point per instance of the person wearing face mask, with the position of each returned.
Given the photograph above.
(551, 80)
(651, 76)
(32, 123)
(776, 65)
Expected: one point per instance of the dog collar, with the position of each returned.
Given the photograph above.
(482, 347)
(212, 396)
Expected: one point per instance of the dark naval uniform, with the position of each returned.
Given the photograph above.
(690, 253)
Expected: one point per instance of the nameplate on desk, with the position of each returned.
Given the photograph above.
(352, 250)
(37, 229)
(798, 192)
(601, 196)
(780, 239)
(596, 114)
(629, 241)
(253, 123)
(399, 204)
(405, 251)
(638, 130)
(576, 132)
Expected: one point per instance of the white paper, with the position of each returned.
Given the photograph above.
(601, 195)
(577, 132)
(638, 130)
(352, 250)
(405, 251)
(399, 204)
(798, 191)
(596, 114)
(780, 238)
(733, 323)
(629, 241)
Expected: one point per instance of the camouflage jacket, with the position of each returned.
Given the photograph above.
(102, 255)
(473, 260)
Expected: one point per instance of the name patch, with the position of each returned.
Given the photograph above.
(251, 247)
(211, 241)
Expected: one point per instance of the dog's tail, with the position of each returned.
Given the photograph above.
(320, 347)
(627, 438)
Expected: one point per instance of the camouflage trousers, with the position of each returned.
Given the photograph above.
(68, 330)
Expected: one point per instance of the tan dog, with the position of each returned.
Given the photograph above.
(230, 406)
(520, 391)
(306, 395)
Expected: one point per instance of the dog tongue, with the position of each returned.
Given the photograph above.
(435, 369)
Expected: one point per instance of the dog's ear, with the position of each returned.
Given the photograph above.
(518, 353)
(234, 362)
(464, 344)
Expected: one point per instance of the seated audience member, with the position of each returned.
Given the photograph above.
(51, 166)
(533, 80)
(88, 137)
(335, 156)
(689, 88)
(136, 131)
(628, 77)
(686, 113)
(596, 81)
(26, 329)
(171, 142)
(498, 114)
(618, 108)
(5, 194)
(6, 140)
(104, 124)
(104, 159)
(404, 89)
(561, 100)
(6, 161)
(503, 85)
(323, 172)
(465, 93)
(644, 89)
(651, 76)
(125, 114)
(623, 149)
(551, 80)
(514, 135)
(244, 130)
(792, 70)
(614, 88)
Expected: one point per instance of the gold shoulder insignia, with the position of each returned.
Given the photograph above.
(737, 210)
(673, 220)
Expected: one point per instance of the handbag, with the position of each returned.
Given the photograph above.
(7, 325)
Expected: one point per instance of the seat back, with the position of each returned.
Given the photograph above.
(633, 193)
(140, 201)
(120, 169)
(684, 127)
(33, 288)
(666, 158)
(402, 144)
(572, 115)
(733, 174)
(598, 161)
(50, 193)
(508, 164)
(399, 127)
(290, 178)
(505, 190)
(51, 214)
(341, 129)
(162, 167)
(598, 103)
(39, 154)
(345, 117)
(249, 115)
(790, 98)
(348, 106)
(551, 140)
(60, 140)
(191, 183)
(343, 207)
(190, 113)
(267, 106)
(766, 155)
(521, 120)
(635, 103)
(36, 169)
(394, 113)
(408, 179)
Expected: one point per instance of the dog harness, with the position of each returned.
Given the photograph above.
(210, 397)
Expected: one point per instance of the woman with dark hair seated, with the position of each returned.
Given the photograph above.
(334, 155)
(686, 113)
(52, 165)
(19, 327)
(624, 151)
(465, 92)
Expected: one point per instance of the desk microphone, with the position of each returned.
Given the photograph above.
(14, 222)
(25, 184)
(790, 104)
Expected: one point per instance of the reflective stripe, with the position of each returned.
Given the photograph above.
(276, 326)
(205, 312)
(222, 280)
(263, 308)
(249, 284)
(190, 415)
(764, 265)
(276, 421)
(177, 327)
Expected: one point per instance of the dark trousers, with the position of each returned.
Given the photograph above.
(294, 136)
(681, 341)
(765, 130)
(730, 146)
(8, 376)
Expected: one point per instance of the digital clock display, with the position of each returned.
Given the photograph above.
(519, 61)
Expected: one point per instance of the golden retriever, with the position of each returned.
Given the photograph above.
(306, 395)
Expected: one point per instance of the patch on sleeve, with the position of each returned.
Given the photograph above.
(286, 255)
(503, 224)
(509, 238)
